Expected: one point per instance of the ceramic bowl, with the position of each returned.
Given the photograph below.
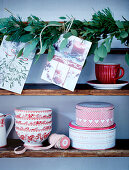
(33, 125)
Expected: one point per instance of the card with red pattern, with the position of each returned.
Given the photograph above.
(65, 67)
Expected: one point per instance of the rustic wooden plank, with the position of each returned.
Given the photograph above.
(53, 90)
(121, 150)
(62, 92)
(47, 92)
(119, 50)
(66, 153)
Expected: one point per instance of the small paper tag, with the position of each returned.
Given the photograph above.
(65, 67)
(13, 70)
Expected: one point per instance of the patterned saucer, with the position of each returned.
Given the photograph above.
(95, 84)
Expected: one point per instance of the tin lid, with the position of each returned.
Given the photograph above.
(94, 105)
(32, 109)
(73, 125)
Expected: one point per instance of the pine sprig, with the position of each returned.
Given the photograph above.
(105, 19)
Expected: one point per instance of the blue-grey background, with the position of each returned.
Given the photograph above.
(64, 106)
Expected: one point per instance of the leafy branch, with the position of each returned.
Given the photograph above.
(102, 28)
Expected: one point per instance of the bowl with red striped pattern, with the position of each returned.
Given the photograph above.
(33, 124)
(95, 114)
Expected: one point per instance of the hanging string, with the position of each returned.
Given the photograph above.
(57, 140)
(41, 35)
(63, 26)
(69, 25)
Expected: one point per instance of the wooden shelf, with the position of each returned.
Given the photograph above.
(121, 150)
(53, 90)
(119, 50)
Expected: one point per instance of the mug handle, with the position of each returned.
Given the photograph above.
(122, 73)
(11, 125)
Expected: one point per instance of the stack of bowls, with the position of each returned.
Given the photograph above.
(33, 125)
(94, 128)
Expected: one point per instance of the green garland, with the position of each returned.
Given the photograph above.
(102, 27)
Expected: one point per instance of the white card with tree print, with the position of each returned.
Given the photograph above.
(13, 70)
(65, 67)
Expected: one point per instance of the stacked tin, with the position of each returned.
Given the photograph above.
(94, 128)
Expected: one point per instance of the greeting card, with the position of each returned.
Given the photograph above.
(13, 70)
(65, 67)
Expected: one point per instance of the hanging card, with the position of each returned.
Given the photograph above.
(65, 67)
(13, 70)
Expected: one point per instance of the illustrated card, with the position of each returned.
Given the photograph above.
(65, 67)
(13, 70)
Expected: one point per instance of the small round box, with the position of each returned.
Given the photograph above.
(94, 114)
(92, 138)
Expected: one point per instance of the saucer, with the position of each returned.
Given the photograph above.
(119, 84)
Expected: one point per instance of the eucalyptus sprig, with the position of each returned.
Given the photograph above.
(102, 28)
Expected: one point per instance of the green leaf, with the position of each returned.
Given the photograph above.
(26, 37)
(108, 45)
(54, 23)
(119, 24)
(51, 52)
(102, 52)
(127, 58)
(101, 59)
(3, 30)
(63, 44)
(96, 58)
(28, 28)
(30, 47)
(20, 53)
(37, 56)
(67, 35)
(43, 49)
(8, 38)
(36, 18)
(29, 19)
(62, 17)
(96, 50)
(92, 49)
(74, 32)
(123, 34)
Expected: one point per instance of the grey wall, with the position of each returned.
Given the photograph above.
(65, 163)
(64, 106)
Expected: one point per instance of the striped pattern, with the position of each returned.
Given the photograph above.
(92, 139)
(107, 74)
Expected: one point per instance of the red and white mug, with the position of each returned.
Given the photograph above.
(108, 73)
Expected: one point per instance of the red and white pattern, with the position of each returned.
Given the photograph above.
(65, 67)
(89, 139)
(94, 117)
(34, 125)
(2, 122)
(13, 70)
(34, 111)
(27, 129)
(67, 62)
(33, 116)
(33, 138)
(59, 140)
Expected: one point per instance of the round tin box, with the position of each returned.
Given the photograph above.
(94, 114)
(92, 138)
